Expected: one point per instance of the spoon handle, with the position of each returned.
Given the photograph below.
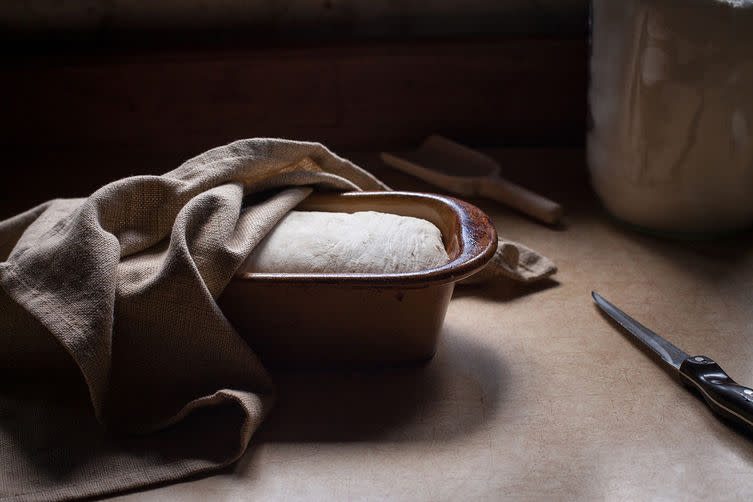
(519, 198)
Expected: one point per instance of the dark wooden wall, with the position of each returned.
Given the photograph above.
(74, 121)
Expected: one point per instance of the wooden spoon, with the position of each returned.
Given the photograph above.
(470, 173)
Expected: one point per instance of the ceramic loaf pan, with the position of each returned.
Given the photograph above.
(361, 319)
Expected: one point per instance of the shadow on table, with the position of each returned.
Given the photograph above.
(708, 257)
(503, 290)
(451, 395)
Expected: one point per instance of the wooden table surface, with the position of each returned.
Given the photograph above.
(533, 394)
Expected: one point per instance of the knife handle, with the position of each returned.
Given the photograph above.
(723, 395)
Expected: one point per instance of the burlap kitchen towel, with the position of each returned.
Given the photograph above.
(118, 369)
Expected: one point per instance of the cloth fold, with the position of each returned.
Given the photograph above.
(515, 261)
(108, 314)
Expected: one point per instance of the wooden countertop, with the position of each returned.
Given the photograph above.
(533, 394)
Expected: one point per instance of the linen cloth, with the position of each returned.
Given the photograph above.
(118, 369)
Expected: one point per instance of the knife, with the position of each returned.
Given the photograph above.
(722, 394)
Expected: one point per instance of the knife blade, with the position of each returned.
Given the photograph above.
(723, 395)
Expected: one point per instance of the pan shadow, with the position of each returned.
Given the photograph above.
(450, 395)
(503, 290)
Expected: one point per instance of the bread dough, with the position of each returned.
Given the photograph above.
(363, 242)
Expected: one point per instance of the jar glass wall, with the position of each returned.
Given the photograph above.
(670, 141)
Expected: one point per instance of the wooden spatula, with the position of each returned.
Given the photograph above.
(464, 171)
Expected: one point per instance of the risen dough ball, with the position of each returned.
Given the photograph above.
(363, 242)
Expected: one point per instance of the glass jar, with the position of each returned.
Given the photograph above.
(670, 141)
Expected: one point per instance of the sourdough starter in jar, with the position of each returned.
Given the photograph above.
(671, 103)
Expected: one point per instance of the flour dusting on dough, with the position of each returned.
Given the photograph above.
(363, 242)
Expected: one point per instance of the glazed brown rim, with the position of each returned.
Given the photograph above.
(477, 243)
